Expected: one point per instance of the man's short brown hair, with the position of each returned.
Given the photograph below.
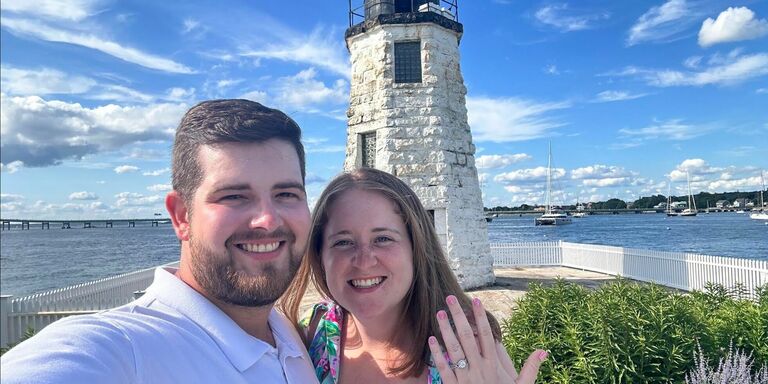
(226, 121)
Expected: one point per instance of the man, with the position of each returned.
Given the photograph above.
(239, 208)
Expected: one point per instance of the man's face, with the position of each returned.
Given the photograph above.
(248, 222)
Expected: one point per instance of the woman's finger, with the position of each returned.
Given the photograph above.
(438, 358)
(530, 369)
(464, 330)
(452, 345)
(505, 362)
(484, 332)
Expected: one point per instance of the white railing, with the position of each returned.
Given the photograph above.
(686, 271)
(680, 270)
(38, 310)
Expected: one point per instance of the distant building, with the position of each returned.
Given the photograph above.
(662, 205)
(723, 204)
(740, 203)
(678, 204)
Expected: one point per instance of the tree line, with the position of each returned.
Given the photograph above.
(648, 202)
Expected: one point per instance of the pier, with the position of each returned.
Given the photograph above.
(26, 224)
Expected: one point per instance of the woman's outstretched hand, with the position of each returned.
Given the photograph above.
(477, 358)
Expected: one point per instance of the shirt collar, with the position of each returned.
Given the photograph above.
(242, 349)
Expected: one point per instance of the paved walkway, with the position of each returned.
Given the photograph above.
(511, 284)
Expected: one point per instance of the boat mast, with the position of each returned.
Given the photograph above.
(547, 208)
(690, 194)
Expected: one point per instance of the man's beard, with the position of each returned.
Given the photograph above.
(218, 277)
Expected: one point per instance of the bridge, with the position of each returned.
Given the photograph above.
(7, 224)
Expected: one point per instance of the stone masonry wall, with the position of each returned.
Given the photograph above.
(422, 136)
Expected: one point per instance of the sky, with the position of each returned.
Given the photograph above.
(633, 96)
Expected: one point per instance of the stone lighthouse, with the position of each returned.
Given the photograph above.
(408, 116)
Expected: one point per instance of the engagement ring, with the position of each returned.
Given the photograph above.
(461, 364)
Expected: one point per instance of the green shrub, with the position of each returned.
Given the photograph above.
(29, 332)
(626, 332)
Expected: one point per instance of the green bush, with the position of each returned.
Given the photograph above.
(29, 332)
(626, 332)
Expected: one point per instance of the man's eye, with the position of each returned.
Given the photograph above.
(287, 195)
(232, 197)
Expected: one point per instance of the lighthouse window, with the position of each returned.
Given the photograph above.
(368, 141)
(408, 62)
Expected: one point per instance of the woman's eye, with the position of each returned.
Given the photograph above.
(342, 243)
(383, 239)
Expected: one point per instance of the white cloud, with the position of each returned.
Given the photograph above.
(160, 188)
(10, 198)
(510, 119)
(119, 93)
(180, 94)
(673, 129)
(736, 71)
(608, 96)
(320, 145)
(500, 161)
(83, 195)
(42, 81)
(70, 10)
(761, 91)
(157, 172)
(599, 171)
(39, 132)
(602, 176)
(537, 174)
(551, 69)
(696, 168)
(733, 24)
(130, 199)
(125, 169)
(730, 69)
(661, 23)
(39, 30)
(558, 16)
(320, 49)
(189, 25)
(304, 92)
(12, 167)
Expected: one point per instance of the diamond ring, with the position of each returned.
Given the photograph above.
(461, 364)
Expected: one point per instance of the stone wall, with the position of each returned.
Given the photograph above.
(422, 136)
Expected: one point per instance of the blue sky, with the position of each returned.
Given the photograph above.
(632, 95)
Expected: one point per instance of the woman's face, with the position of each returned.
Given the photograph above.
(367, 254)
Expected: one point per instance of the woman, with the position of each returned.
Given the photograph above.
(374, 254)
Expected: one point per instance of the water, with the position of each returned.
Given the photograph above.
(38, 260)
(716, 234)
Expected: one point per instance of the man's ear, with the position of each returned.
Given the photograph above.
(177, 210)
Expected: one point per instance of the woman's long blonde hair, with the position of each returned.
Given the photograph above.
(433, 279)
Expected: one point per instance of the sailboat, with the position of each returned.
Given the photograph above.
(691, 210)
(761, 214)
(670, 211)
(550, 216)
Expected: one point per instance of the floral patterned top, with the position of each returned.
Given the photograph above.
(324, 350)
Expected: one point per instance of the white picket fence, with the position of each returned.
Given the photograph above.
(680, 270)
(40, 309)
(686, 271)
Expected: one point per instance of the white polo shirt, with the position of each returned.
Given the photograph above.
(172, 334)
